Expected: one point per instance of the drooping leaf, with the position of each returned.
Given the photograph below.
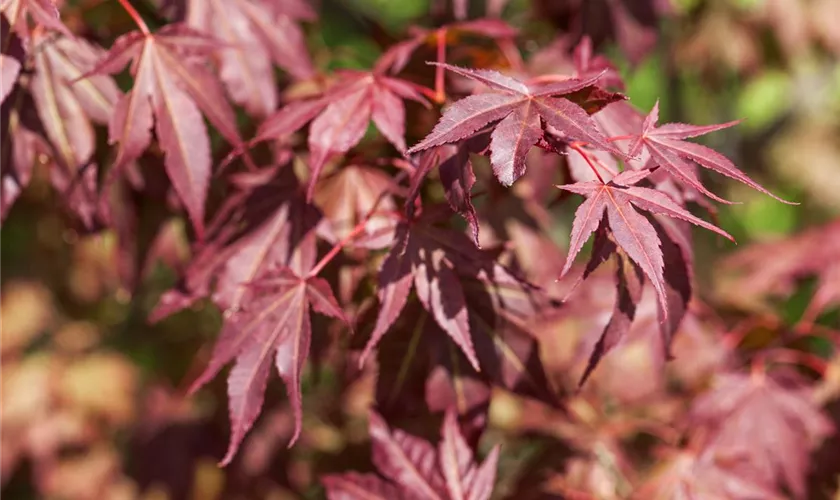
(417, 469)
(275, 324)
(43, 12)
(67, 110)
(11, 59)
(256, 33)
(629, 283)
(480, 305)
(170, 87)
(21, 148)
(521, 110)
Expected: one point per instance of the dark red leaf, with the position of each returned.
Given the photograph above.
(669, 151)
(521, 109)
(632, 231)
(418, 469)
(169, 86)
(274, 324)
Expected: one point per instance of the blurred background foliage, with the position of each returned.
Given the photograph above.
(93, 401)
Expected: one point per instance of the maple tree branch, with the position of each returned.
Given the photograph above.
(803, 330)
(511, 53)
(357, 230)
(426, 91)
(733, 338)
(620, 138)
(141, 24)
(795, 357)
(440, 94)
(576, 147)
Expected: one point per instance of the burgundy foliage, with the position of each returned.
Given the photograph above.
(342, 196)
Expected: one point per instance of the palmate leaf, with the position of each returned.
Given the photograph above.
(619, 200)
(255, 33)
(765, 270)
(689, 475)
(264, 225)
(21, 146)
(495, 303)
(670, 151)
(171, 85)
(521, 110)
(11, 59)
(341, 116)
(416, 469)
(66, 110)
(772, 423)
(43, 12)
(274, 324)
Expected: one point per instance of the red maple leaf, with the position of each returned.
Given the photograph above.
(520, 110)
(690, 475)
(43, 12)
(772, 423)
(776, 268)
(614, 204)
(669, 150)
(341, 116)
(417, 469)
(256, 33)
(480, 305)
(171, 85)
(67, 109)
(274, 328)
(19, 156)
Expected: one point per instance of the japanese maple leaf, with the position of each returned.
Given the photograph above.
(419, 263)
(690, 475)
(170, 86)
(520, 111)
(12, 59)
(416, 469)
(669, 150)
(774, 424)
(256, 32)
(456, 176)
(21, 147)
(478, 303)
(421, 370)
(264, 225)
(776, 268)
(340, 117)
(616, 202)
(43, 12)
(348, 196)
(67, 109)
(273, 327)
